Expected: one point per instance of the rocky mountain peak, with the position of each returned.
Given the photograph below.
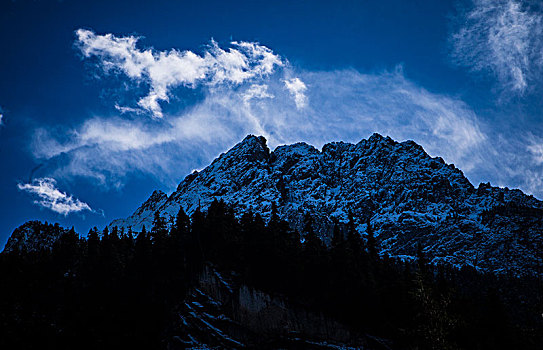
(157, 195)
(251, 148)
(407, 196)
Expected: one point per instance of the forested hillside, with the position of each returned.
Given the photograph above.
(127, 289)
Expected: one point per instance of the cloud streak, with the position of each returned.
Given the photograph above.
(52, 198)
(347, 105)
(297, 88)
(164, 70)
(503, 38)
(333, 105)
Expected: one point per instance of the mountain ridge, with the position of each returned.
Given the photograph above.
(409, 198)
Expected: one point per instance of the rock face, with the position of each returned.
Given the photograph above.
(33, 236)
(145, 213)
(407, 196)
(222, 313)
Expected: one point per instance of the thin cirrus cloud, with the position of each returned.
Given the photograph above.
(503, 38)
(256, 91)
(165, 70)
(336, 105)
(52, 198)
(346, 105)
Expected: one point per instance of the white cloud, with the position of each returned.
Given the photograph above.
(124, 109)
(536, 149)
(256, 91)
(164, 70)
(503, 37)
(345, 105)
(297, 89)
(52, 198)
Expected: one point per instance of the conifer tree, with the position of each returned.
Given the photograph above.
(371, 243)
(422, 261)
(354, 241)
(196, 252)
(105, 234)
(337, 236)
(160, 228)
(114, 235)
(142, 251)
(182, 223)
(312, 243)
(93, 243)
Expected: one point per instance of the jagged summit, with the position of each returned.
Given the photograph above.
(251, 148)
(407, 196)
(156, 196)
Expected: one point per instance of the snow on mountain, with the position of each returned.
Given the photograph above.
(407, 196)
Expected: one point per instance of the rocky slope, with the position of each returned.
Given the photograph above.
(33, 236)
(222, 313)
(407, 196)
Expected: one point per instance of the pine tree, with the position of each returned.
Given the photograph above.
(354, 241)
(337, 236)
(114, 235)
(130, 233)
(142, 249)
(422, 261)
(182, 223)
(160, 228)
(312, 243)
(66, 249)
(371, 243)
(196, 253)
(105, 234)
(93, 244)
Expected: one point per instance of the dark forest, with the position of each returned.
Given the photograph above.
(116, 289)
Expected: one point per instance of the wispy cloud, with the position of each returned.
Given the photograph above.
(52, 198)
(297, 89)
(501, 37)
(344, 105)
(164, 70)
(256, 91)
(347, 105)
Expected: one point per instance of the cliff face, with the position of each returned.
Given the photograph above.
(224, 313)
(407, 196)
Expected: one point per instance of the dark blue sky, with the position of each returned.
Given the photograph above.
(425, 70)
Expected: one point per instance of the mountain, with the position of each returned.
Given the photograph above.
(226, 280)
(33, 236)
(406, 196)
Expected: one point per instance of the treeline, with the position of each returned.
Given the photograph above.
(120, 289)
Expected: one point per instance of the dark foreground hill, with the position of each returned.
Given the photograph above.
(214, 281)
